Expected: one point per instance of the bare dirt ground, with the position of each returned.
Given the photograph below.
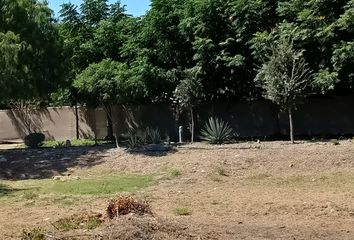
(271, 190)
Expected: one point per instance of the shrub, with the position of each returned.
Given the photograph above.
(82, 221)
(33, 234)
(216, 131)
(335, 142)
(34, 140)
(152, 136)
(124, 205)
(135, 140)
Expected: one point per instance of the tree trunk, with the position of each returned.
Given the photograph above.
(116, 138)
(109, 122)
(192, 124)
(77, 122)
(291, 126)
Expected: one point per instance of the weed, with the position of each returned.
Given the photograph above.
(83, 221)
(32, 234)
(335, 142)
(152, 136)
(175, 172)
(183, 211)
(29, 195)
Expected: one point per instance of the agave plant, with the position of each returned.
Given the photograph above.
(153, 136)
(216, 131)
(134, 140)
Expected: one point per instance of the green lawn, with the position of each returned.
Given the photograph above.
(102, 185)
(74, 143)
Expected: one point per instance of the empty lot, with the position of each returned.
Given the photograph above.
(270, 190)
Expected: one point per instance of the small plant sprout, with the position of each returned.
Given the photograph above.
(174, 172)
(335, 142)
(183, 211)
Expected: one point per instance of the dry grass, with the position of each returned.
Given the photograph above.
(124, 205)
(272, 190)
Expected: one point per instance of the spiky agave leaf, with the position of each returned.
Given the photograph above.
(216, 131)
(153, 135)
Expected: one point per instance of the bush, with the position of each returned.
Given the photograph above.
(216, 131)
(135, 140)
(124, 205)
(33, 234)
(34, 140)
(152, 136)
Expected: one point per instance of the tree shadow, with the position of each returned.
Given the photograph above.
(27, 121)
(6, 190)
(44, 163)
(156, 151)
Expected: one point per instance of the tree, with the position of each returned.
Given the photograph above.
(107, 83)
(189, 94)
(286, 78)
(32, 60)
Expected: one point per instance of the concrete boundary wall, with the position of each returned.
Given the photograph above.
(319, 116)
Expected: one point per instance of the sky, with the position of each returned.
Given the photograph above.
(134, 7)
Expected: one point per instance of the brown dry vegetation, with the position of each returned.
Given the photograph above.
(271, 190)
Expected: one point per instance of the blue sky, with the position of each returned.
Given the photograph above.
(134, 7)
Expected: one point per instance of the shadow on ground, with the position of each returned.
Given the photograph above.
(21, 164)
(153, 150)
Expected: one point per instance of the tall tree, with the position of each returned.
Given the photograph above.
(108, 83)
(189, 94)
(286, 79)
(32, 62)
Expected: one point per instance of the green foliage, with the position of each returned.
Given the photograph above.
(74, 143)
(285, 76)
(152, 136)
(183, 50)
(32, 59)
(183, 211)
(335, 142)
(216, 131)
(33, 234)
(174, 172)
(189, 92)
(135, 139)
(86, 221)
(109, 82)
(34, 140)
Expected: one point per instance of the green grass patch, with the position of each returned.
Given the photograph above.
(183, 211)
(175, 173)
(31, 189)
(79, 222)
(33, 234)
(74, 143)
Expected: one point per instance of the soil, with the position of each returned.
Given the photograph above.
(270, 190)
